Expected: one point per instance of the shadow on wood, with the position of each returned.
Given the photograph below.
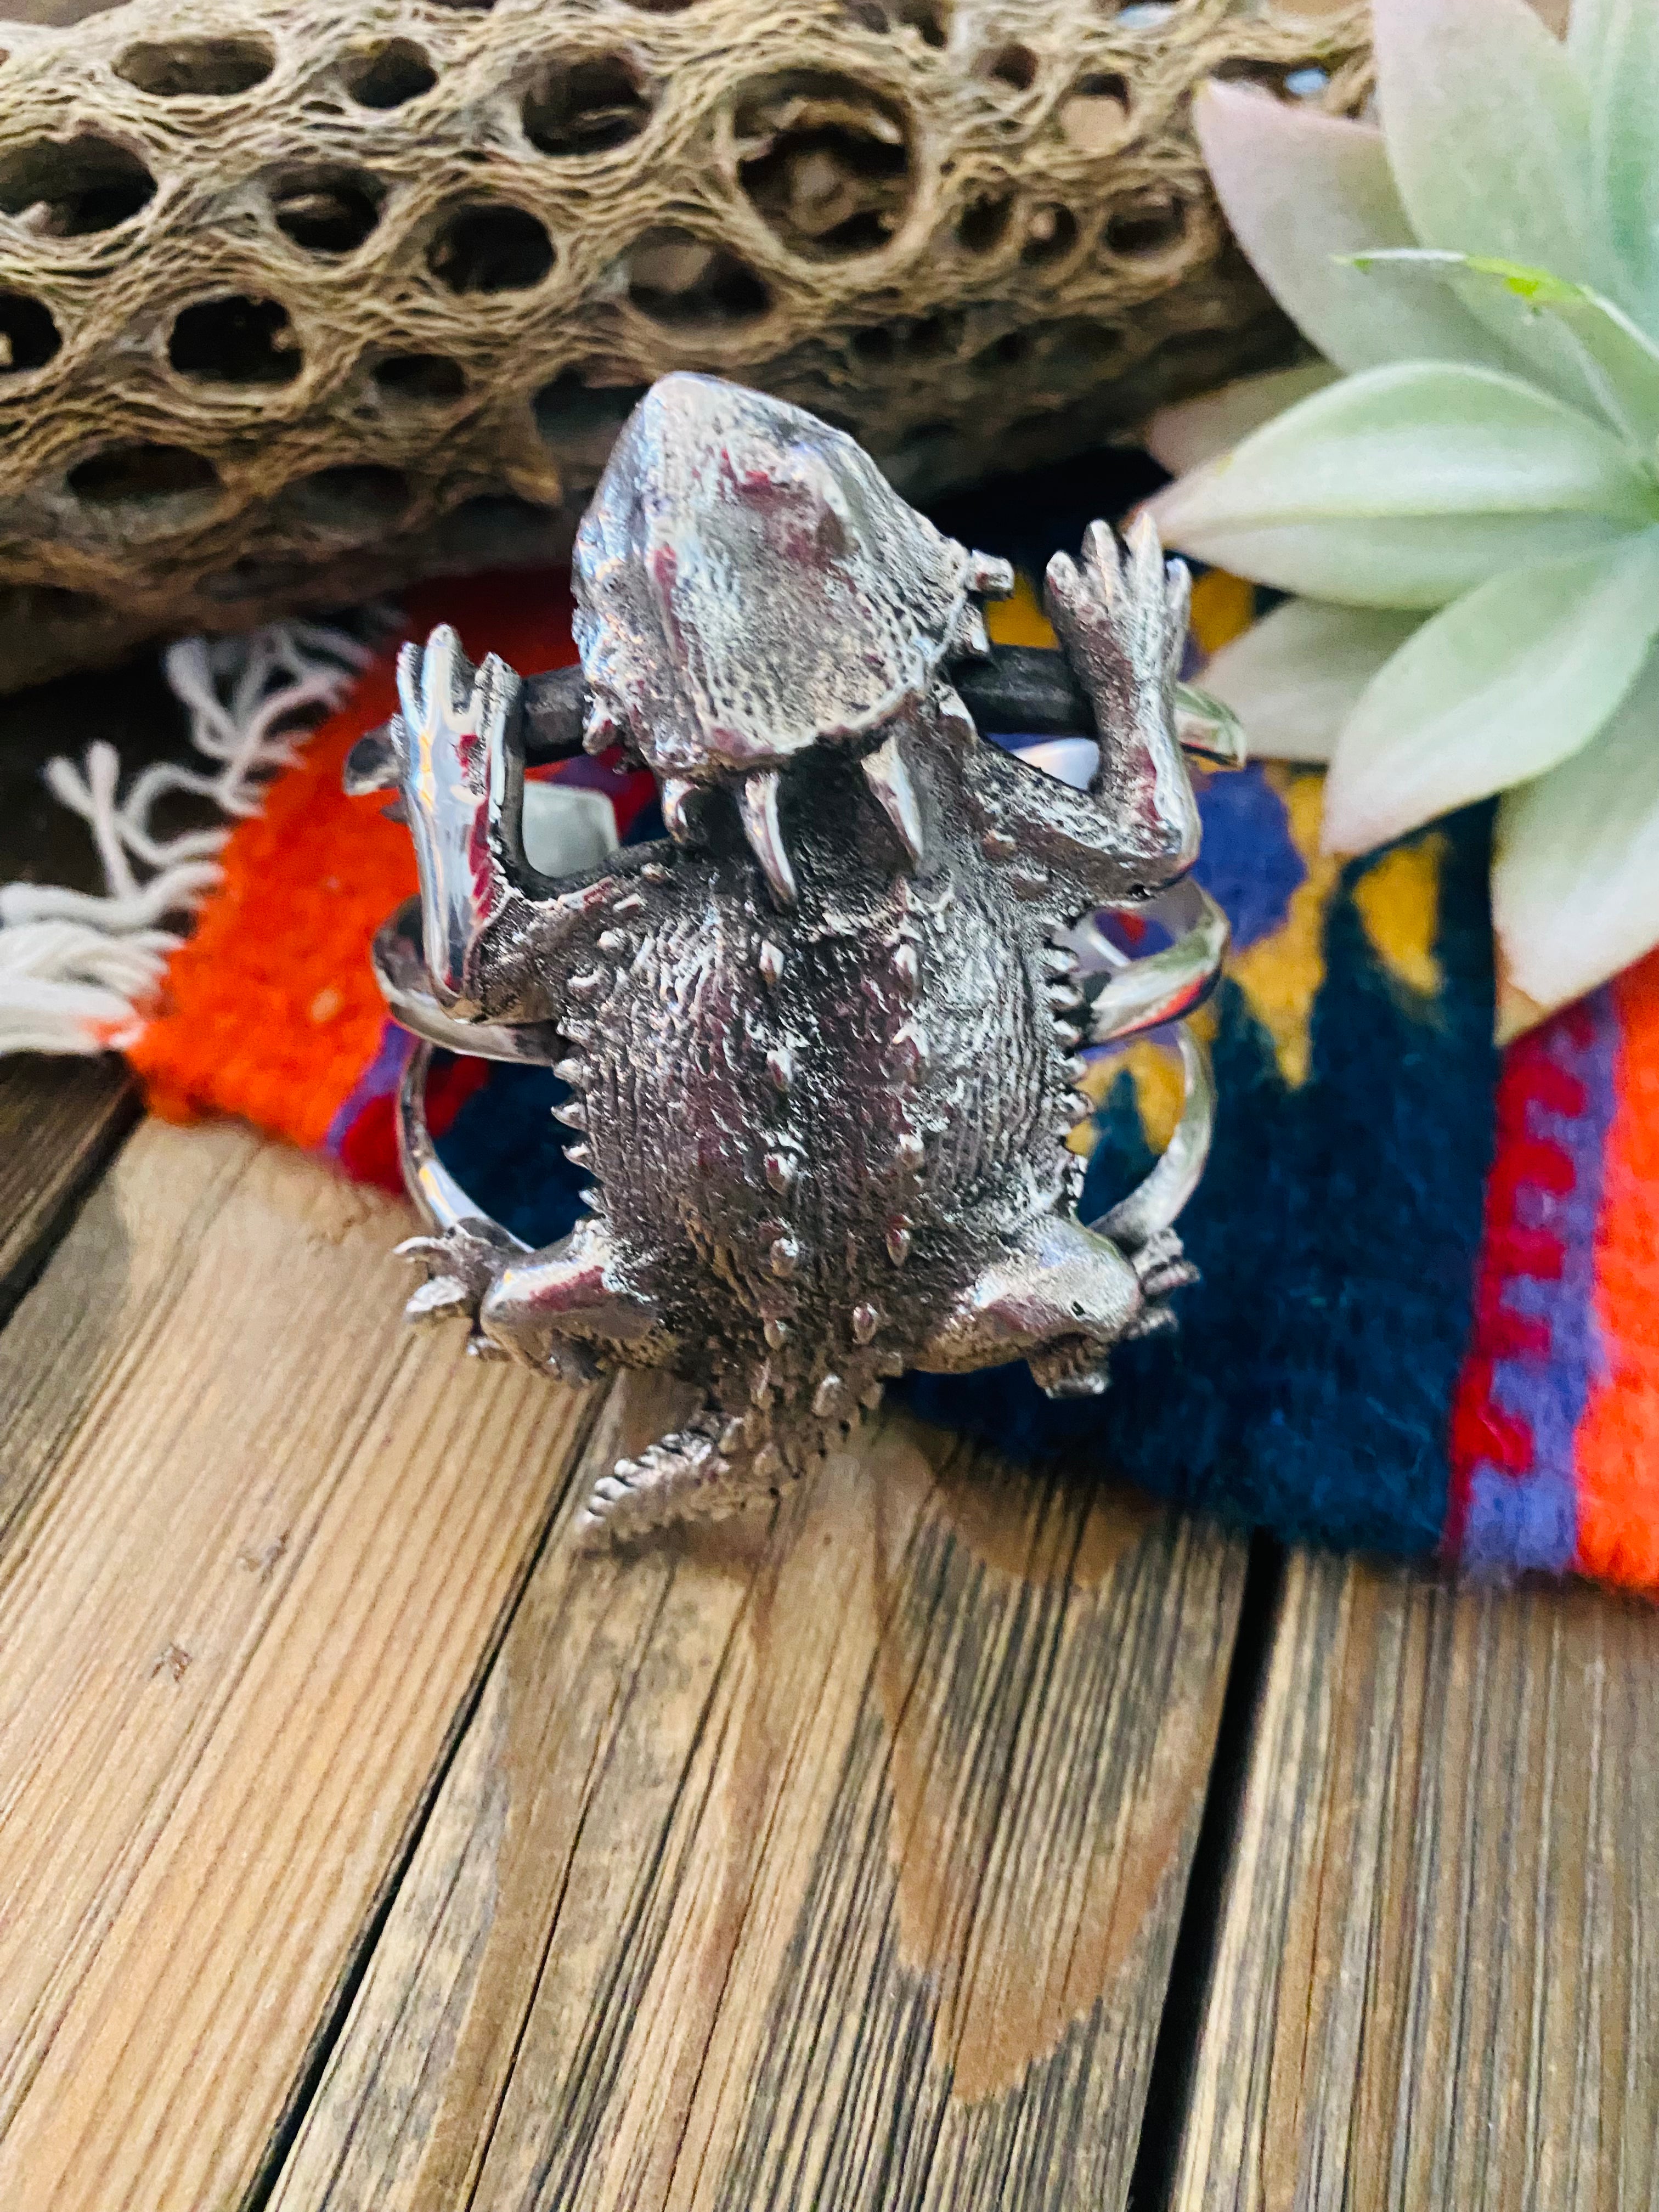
(834, 1858)
(60, 1121)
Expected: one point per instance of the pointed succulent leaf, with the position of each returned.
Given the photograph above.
(1192, 431)
(1576, 864)
(1423, 438)
(1614, 47)
(1515, 677)
(1612, 360)
(1487, 125)
(1418, 563)
(1302, 191)
(1404, 486)
(1294, 677)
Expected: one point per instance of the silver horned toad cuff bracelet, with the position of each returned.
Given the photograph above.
(820, 1040)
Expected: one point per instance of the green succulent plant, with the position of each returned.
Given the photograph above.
(1464, 494)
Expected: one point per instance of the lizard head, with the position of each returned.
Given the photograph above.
(749, 586)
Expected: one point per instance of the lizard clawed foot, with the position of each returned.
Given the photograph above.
(463, 1267)
(1161, 1265)
(459, 747)
(1120, 613)
(1075, 1369)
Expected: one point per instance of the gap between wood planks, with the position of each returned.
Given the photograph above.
(1436, 1974)
(1174, 2056)
(61, 1123)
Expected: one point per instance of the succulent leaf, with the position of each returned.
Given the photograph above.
(1298, 674)
(1192, 431)
(1493, 453)
(1512, 680)
(1614, 47)
(1424, 438)
(1576, 863)
(1614, 363)
(1418, 563)
(1488, 130)
(1304, 192)
(1404, 486)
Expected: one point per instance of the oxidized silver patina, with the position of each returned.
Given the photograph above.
(820, 1041)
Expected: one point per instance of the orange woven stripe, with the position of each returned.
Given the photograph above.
(1617, 1448)
(270, 1011)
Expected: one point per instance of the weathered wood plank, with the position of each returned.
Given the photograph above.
(255, 1545)
(1436, 1981)
(60, 1120)
(836, 1861)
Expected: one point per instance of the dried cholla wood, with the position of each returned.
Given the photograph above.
(298, 301)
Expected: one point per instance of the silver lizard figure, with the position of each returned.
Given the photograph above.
(820, 1040)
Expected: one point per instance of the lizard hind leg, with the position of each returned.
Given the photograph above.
(1053, 1281)
(1059, 1297)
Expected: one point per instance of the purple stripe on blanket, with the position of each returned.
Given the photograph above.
(378, 1080)
(1530, 1521)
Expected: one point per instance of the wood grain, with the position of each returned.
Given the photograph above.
(60, 1121)
(255, 1543)
(1436, 1980)
(836, 1861)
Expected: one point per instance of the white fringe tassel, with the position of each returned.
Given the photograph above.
(76, 970)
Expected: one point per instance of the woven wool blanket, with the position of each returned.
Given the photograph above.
(1428, 1320)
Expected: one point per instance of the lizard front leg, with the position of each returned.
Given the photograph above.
(1120, 617)
(497, 939)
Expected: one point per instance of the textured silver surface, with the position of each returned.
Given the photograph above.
(820, 1041)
